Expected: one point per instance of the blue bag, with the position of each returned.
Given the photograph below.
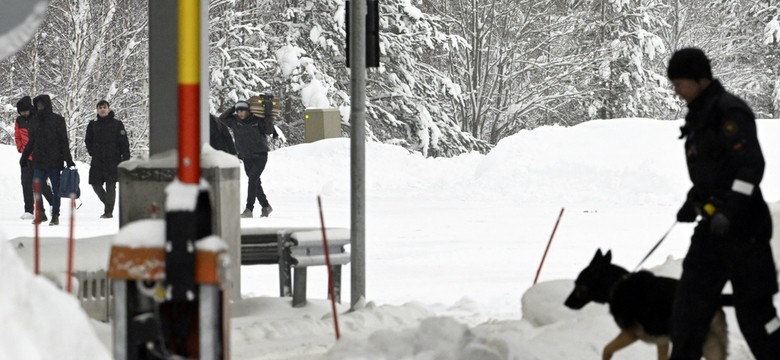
(69, 183)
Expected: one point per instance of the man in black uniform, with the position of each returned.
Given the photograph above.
(107, 143)
(731, 240)
(252, 147)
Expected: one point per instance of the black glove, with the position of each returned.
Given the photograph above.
(23, 161)
(71, 164)
(719, 225)
(687, 213)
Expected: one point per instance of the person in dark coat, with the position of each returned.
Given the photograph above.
(252, 148)
(731, 240)
(107, 144)
(49, 147)
(26, 111)
(219, 136)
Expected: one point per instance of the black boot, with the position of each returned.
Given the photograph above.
(55, 219)
(43, 218)
(266, 210)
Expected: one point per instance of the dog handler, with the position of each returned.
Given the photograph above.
(731, 240)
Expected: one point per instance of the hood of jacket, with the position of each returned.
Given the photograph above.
(45, 100)
(23, 104)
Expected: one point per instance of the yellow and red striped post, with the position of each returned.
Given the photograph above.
(189, 91)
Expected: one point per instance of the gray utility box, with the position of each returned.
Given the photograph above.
(143, 182)
(321, 123)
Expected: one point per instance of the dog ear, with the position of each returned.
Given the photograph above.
(597, 257)
(608, 256)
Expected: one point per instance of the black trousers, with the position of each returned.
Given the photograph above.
(254, 168)
(747, 262)
(27, 190)
(107, 196)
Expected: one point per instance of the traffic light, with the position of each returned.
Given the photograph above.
(372, 32)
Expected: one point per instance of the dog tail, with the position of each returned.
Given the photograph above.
(726, 300)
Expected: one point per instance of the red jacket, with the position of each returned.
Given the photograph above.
(21, 134)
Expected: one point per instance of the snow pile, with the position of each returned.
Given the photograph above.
(604, 161)
(548, 331)
(39, 321)
(435, 338)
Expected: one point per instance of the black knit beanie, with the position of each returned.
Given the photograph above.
(23, 104)
(689, 63)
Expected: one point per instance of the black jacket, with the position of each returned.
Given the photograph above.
(219, 136)
(107, 143)
(725, 162)
(48, 135)
(250, 134)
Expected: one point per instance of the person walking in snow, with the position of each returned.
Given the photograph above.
(107, 144)
(252, 148)
(26, 111)
(48, 145)
(731, 240)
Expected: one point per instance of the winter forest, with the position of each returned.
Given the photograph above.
(455, 75)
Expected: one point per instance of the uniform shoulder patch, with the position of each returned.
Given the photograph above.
(730, 127)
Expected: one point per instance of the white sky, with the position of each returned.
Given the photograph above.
(452, 248)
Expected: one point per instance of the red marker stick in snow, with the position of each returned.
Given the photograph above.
(70, 240)
(330, 272)
(36, 220)
(548, 247)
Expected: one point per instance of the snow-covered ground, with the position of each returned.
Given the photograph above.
(453, 246)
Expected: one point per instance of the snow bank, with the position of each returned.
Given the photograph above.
(38, 321)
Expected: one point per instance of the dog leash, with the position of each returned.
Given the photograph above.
(656, 245)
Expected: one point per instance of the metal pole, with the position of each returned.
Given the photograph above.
(163, 76)
(357, 61)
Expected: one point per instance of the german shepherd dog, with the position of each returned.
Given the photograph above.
(641, 304)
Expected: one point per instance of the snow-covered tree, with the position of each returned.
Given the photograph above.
(629, 74)
(741, 39)
(455, 75)
(747, 55)
(299, 52)
(83, 52)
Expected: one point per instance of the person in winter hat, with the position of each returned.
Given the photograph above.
(250, 133)
(48, 144)
(25, 109)
(107, 144)
(731, 240)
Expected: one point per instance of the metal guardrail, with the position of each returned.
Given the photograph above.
(94, 294)
(295, 249)
(259, 248)
(291, 249)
